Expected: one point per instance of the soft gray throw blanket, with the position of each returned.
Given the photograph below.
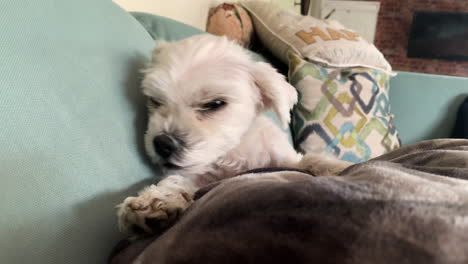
(408, 206)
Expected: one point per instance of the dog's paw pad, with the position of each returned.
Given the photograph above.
(151, 212)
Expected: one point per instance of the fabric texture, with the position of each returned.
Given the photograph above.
(320, 41)
(345, 112)
(72, 119)
(461, 124)
(409, 205)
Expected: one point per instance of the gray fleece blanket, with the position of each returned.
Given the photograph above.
(408, 206)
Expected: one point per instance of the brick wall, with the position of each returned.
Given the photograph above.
(393, 29)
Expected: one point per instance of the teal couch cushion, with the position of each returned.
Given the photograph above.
(425, 105)
(165, 28)
(71, 121)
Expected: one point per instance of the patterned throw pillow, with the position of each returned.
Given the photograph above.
(343, 111)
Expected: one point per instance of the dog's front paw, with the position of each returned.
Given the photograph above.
(154, 209)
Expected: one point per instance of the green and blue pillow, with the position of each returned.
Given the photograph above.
(342, 111)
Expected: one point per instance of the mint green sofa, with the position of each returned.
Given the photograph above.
(72, 118)
(425, 105)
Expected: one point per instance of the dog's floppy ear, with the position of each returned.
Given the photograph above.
(275, 92)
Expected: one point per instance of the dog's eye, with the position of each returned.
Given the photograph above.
(213, 105)
(154, 103)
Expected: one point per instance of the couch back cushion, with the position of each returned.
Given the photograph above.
(70, 127)
(163, 28)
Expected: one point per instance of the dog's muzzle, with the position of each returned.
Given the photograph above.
(165, 146)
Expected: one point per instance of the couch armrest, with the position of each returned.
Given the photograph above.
(425, 105)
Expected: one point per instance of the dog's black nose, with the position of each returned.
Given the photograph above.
(165, 146)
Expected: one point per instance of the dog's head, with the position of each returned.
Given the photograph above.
(204, 93)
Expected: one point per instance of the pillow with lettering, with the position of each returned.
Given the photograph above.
(327, 43)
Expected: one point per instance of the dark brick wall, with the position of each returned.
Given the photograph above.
(393, 29)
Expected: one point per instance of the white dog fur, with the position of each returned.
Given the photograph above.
(209, 96)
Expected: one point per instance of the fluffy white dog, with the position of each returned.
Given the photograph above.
(206, 99)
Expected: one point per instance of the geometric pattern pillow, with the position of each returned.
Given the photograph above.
(341, 111)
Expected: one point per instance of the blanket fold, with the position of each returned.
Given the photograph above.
(408, 206)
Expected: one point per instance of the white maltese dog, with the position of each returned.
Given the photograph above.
(206, 99)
